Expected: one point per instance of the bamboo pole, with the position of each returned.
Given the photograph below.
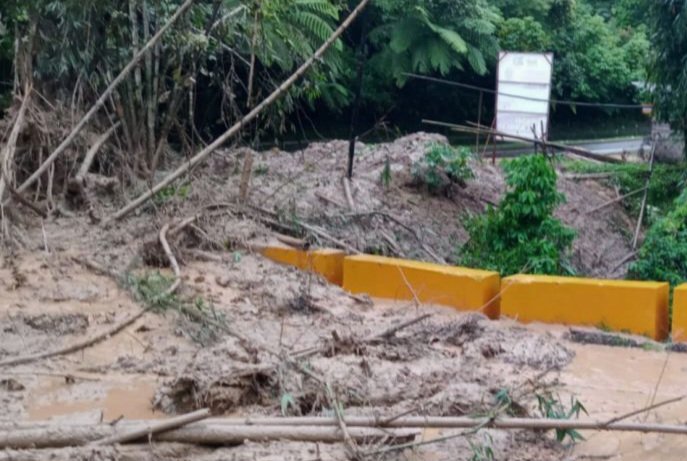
(635, 238)
(104, 97)
(227, 431)
(546, 144)
(90, 155)
(60, 435)
(155, 428)
(252, 115)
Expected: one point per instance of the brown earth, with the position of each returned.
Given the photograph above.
(56, 291)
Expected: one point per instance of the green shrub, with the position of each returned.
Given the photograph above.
(441, 167)
(521, 235)
(663, 256)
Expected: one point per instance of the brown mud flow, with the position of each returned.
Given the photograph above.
(167, 362)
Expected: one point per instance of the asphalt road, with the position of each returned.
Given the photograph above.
(603, 147)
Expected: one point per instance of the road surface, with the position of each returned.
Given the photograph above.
(602, 147)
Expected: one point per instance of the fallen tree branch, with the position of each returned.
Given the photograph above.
(155, 428)
(238, 126)
(349, 444)
(412, 231)
(396, 328)
(90, 155)
(104, 97)
(79, 345)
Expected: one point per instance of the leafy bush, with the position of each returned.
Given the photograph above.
(521, 235)
(441, 167)
(663, 256)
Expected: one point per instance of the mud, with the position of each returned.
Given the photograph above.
(308, 184)
(449, 364)
(74, 279)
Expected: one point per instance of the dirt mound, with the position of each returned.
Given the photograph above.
(397, 218)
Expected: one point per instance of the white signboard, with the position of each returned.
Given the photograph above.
(523, 93)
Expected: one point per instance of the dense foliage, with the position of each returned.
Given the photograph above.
(226, 49)
(663, 256)
(668, 25)
(596, 58)
(521, 234)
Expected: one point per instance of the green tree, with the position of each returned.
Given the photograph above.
(432, 36)
(663, 255)
(668, 70)
(591, 61)
(523, 34)
(521, 234)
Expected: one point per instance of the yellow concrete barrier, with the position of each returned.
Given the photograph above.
(637, 307)
(464, 289)
(326, 262)
(679, 328)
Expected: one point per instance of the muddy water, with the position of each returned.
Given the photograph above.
(130, 399)
(614, 381)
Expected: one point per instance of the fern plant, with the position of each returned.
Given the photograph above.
(428, 36)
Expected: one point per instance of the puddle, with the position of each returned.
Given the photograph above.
(130, 401)
(613, 381)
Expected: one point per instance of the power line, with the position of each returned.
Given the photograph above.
(528, 98)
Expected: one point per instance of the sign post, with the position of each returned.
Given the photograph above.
(523, 92)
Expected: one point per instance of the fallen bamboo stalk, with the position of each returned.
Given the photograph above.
(155, 428)
(458, 422)
(104, 97)
(216, 431)
(90, 155)
(615, 200)
(56, 436)
(586, 176)
(276, 94)
(546, 144)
